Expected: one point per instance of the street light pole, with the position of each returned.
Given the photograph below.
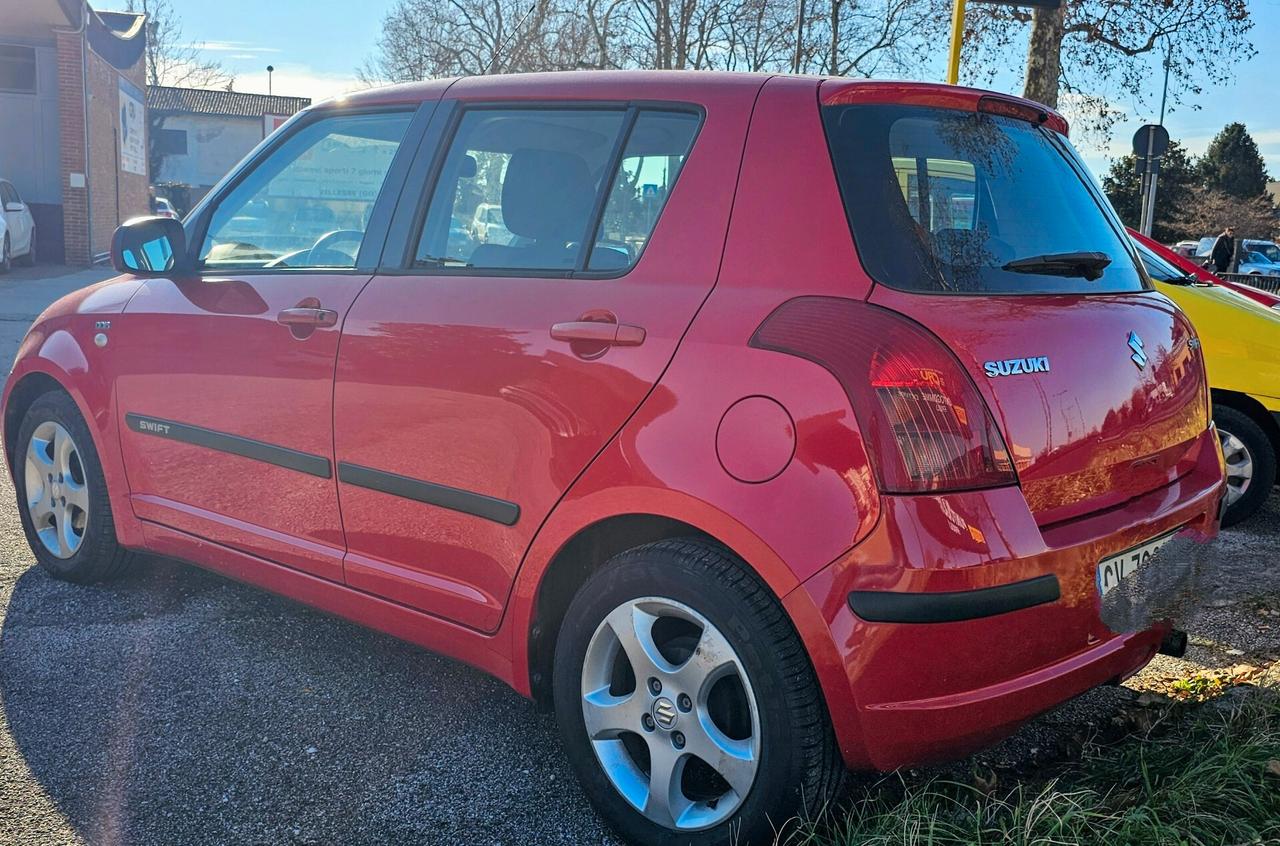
(957, 32)
(1168, 60)
(270, 70)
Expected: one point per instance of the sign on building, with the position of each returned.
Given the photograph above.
(270, 123)
(132, 129)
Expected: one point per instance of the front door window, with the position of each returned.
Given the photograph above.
(308, 204)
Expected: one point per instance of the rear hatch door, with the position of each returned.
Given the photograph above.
(983, 225)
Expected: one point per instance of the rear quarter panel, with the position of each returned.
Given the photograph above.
(788, 237)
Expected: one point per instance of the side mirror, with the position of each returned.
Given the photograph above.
(149, 246)
(14, 207)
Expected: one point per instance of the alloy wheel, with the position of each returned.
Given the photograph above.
(57, 491)
(670, 713)
(1239, 466)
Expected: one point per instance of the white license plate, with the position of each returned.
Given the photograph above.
(1112, 571)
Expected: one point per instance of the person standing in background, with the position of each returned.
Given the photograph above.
(1224, 250)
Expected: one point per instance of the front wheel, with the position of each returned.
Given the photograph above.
(62, 494)
(687, 703)
(1250, 460)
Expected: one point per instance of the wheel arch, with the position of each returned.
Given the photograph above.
(25, 391)
(575, 561)
(543, 594)
(39, 373)
(1254, 410)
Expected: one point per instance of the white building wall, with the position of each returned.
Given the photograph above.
(29, 141)
(215, 144)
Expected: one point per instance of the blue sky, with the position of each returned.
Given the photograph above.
(316, 45)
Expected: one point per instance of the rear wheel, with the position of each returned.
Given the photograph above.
(687, 703)
(6, 260)
(62, 494)
(1250, 459)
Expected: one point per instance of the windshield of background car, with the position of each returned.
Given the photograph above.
(1158, 268)
(942, 200)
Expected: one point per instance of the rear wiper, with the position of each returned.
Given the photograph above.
(1088, 265)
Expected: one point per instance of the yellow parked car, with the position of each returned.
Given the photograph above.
(1241, 343)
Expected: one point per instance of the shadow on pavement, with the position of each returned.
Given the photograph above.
(177, 707)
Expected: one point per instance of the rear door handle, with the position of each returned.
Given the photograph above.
(307, 317)
(599, 332)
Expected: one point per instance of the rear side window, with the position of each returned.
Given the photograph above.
(946, 201)
(527, 189)
(650, 163)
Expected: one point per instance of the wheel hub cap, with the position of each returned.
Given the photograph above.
(57, 493)
(1239, 466)
(665, 714)
(670, 713)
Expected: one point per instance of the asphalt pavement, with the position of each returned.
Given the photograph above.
(177, 707)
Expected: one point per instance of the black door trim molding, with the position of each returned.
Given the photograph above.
(454, 499)
(303, 462)
(882, 606)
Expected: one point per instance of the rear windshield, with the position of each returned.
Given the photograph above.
(964, 202)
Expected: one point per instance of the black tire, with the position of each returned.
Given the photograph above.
(99, 556)
(800, 769)
(1262, 455)
(6, 260)
(29, 260)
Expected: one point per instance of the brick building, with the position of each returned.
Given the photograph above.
(73, 121)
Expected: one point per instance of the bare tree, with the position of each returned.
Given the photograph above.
(1211, 210)
(866, 37)
(171, 59)
(423, 39)
(426, 39)
(1096, 50)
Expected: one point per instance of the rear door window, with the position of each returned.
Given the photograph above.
(525, 189)
(959, 202)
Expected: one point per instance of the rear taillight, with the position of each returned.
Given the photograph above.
(927, 428)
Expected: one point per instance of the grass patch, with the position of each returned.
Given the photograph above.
(1203, 776)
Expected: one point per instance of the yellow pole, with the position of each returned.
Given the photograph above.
(957, 31)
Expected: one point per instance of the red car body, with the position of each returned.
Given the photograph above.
(570, 451)
(1202, 273)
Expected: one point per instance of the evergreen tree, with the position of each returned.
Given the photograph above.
(1233, 165)
(1175, 192)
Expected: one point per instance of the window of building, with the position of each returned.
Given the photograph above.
(171, 142)
(17, 69)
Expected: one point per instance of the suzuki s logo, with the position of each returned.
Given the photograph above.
(664, 713)
(1016, 366)
(1139, 356)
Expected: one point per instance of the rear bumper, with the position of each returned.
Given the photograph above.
(958, 618)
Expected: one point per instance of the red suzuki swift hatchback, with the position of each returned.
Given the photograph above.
(764, 427)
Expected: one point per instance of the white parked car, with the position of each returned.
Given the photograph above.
(17, 228)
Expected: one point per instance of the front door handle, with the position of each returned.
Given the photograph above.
(307, 317)
(599, 332)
